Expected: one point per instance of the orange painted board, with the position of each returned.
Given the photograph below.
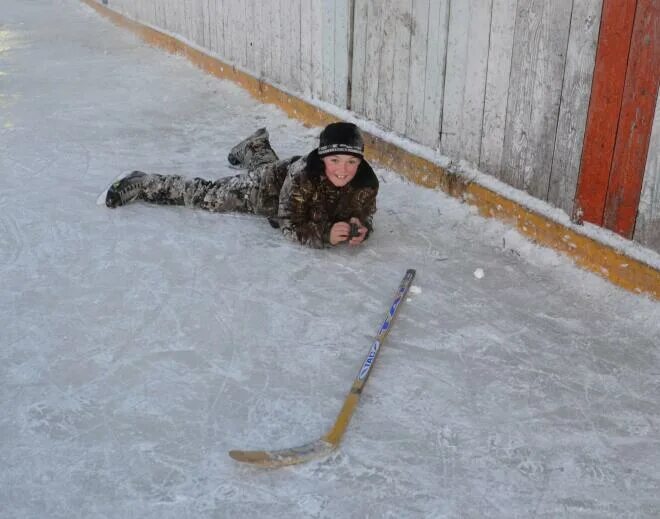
(616, 27)
(635, 121)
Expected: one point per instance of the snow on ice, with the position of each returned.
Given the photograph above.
(140, 345)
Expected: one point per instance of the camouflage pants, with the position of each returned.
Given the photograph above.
(250, 192)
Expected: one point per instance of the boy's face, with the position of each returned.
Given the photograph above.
(340, 169)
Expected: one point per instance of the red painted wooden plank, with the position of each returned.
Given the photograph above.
(616, 26)
(636, 120)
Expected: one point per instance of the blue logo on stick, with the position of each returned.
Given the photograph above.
(369, 360)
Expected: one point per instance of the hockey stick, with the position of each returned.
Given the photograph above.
(330, 441)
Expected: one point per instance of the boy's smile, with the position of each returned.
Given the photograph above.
(340, 169)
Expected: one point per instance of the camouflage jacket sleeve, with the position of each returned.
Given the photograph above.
(293, 214)
(365, 207)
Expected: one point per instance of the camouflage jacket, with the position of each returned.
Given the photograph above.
(299, 199)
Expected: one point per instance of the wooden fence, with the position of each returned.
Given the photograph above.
(504, 84)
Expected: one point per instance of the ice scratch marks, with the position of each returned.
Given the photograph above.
(11, 239)
(518, 456)
(447, 445)
(594, 469)
(66, 419)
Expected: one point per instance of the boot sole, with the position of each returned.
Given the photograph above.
(101, 198)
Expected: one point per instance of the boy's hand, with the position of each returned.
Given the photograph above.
(362, 232)
(339, 232)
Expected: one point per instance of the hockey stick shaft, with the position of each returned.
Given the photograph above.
(335, 434)
(325, 445)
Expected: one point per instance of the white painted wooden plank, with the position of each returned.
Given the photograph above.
(465, 83)
(147, 11)
(134, 12)
(576, 91)
(249, 27)
(285, 57)
(375, 17)
(647, 227)
(293, 48)
(502, 26)
(158, 19)
(193, 18)
(241, 33)
(257, 38)
(238, 36)
(197, 22)
(173, 17)
(417, 74)
(276, 43)
(168, 15)
(201, 24)
(386, 65)
(263, 39)
(181, 19)
(190, 20)
(204, 23)
(245, 31)
(212, 23)
(269, 39)
(186, 32)
(230, 29)
(540, 42)
(328, 40)
(317, 48)
(233, 31)
(227, 31)
(205, 26)
(359, 56)
(401, 70)
(306, 48)
(218, 27)
(341, 28)
(434, 82)
(163, 14)
(206, 6)
(161, 19)
(457, 49)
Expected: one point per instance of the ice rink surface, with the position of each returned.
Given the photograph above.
(139, 345)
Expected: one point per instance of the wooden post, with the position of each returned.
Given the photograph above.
(620, 117)
(635, 120)
(604, 107)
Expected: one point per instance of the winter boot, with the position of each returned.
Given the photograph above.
(253, 151)
(125, 189)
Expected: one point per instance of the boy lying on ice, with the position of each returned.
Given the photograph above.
(323, 198)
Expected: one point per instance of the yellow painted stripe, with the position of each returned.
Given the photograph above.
(598, 257)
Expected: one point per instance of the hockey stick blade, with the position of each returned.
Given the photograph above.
(283, 457)
(330, 441)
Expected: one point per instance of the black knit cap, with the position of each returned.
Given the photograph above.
(341, 139)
